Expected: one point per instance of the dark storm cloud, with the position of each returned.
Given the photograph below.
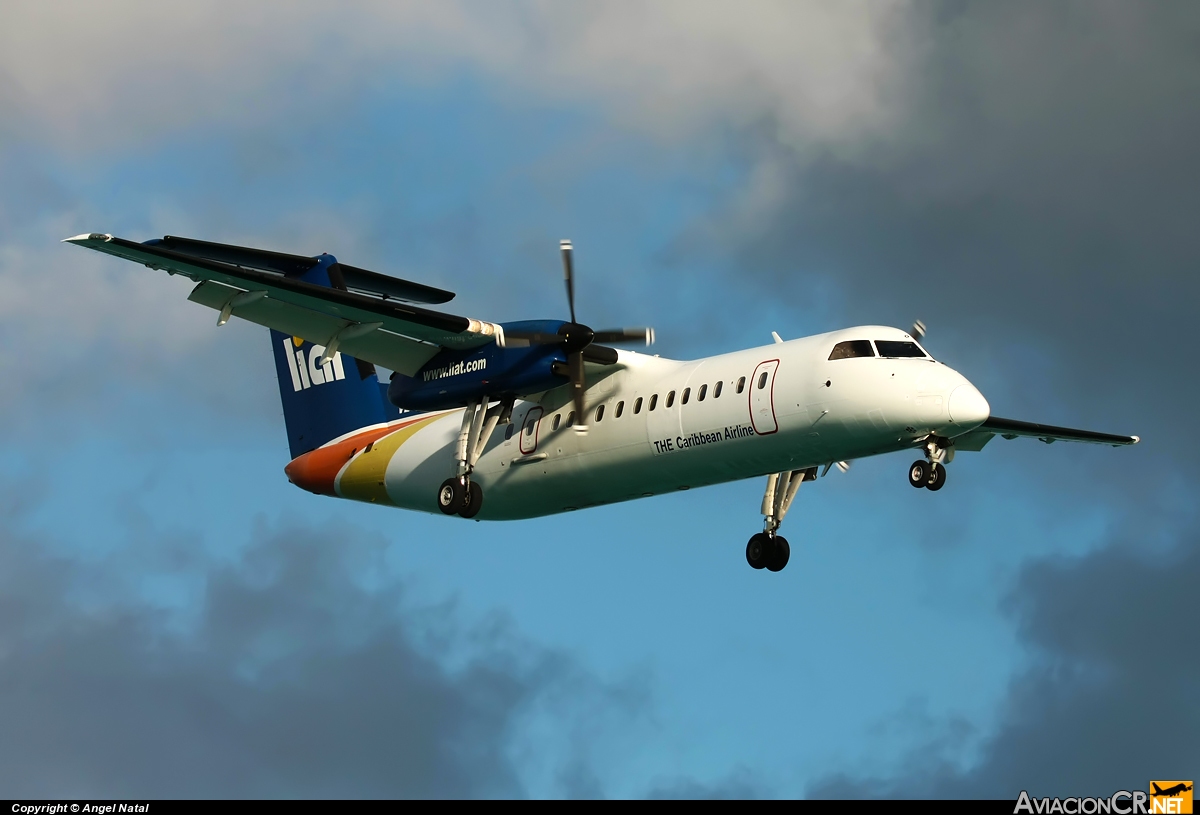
(1041, 188)
(1037, 207)
(290, 678)
(1109, 701)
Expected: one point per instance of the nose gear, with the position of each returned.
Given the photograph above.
(931, 474)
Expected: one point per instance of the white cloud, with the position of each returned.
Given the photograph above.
(94, 320)
(824, 75)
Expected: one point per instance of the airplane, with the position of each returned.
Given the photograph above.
(1170, 792)
(585, 424)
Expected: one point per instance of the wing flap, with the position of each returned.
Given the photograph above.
(972, 442)
(382, 347)
(1011, 429)
(263, 259)
(363, 280)
(437, 328)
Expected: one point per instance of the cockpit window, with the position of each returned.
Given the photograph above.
(852, 348)
(898, 348)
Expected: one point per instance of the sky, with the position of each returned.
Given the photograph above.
(176, 620)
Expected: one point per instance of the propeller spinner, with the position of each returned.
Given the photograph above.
(580, 342)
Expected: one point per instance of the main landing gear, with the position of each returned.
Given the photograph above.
(460, 495)
(931, 474)
(767, 549)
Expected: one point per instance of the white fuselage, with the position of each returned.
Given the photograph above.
(781, 407)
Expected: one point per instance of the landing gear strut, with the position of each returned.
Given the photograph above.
(460, 495)
(767, 549)
(931, 474)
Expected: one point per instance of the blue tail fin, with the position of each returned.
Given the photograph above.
(322, 402)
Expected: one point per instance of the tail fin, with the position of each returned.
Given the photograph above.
(1157, 789)
(322, 402)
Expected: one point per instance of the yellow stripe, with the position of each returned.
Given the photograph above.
(363, 478)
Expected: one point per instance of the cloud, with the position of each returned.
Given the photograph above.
(301, 668)
(739, 785)
(1107, 702)
(83, 333)
(1031, 210)
(825, 74)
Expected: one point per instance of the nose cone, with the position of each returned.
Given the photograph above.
(967, 407)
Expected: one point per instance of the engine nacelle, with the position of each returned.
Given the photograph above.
(455, 378)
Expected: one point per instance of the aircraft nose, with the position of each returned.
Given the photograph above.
(967, 407)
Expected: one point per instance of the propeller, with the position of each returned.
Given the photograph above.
(843, 467)
(580, 342)
(918, 330)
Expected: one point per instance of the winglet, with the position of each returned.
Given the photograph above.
(94, 236)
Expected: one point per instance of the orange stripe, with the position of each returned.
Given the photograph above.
(316, 470)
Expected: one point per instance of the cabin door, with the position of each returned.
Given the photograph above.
(529, 430)
(762, 398)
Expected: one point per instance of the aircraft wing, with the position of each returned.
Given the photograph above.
(1011, 429)
(261, 287)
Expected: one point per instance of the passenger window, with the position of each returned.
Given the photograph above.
(508, 431)
(686, 393)
(653, 402)
(620, 410)
(529, 428)
(571, 419)
(762, 380)
(700, 395)
(716, 389)
(637, 405)
(741, 384)
(599, 413)
(671, 399)
(899, 348)
(852, 348)
(557, 419)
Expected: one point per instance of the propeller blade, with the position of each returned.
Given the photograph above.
(569, 273)
(645, 335)
(843, 467)
(918, 330)
(575, 361)
(600, 354)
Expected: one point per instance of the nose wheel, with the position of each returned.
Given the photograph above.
(931, 474)
(927, 474)
(937, 477)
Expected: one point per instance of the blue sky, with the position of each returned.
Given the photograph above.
(717, 191)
